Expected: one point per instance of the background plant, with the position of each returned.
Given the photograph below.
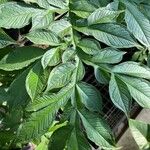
(43, 95)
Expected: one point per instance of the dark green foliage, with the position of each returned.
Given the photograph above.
(44, 98)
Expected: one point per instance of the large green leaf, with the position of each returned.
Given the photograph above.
(119, 94)
(5, 40)
(97, 130)
(34, 84)
(20, 57)
(89, 46)
(139, 89)
(102, 15)
(60, 76)
(132, 69)
(42, 20)
(51, 57)
(138, 24)
(46, 100)
(60, 136)
(74, 137)
(43, 37)
(77, 141)
(17, 93)
(69, 137)
(39, 122)
(13, 15)
(140, 132)
(89, 96)
(110, 34)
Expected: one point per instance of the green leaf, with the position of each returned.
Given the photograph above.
(97, 130)
(89, 46)
(13, 15)
(119, 94)
(139, 90)
(108, 55)
(138, 24)
(60, 27)
(79, 72)
(57, 138)
(102, 74)
(43, 37)
(60, 76)
(34, 84)
(20, 57)
(140, 132)
(89, 96)
(4, 1)
(78, 141)
(5, 51)
(46, 100)
(51, 57)
(132, 69)
(57, 6)
(42, 20)
(69, 137)
(73, 139)
(17, 93)
(3, 96)
(114, 6)
(82, 8)
(68, 55)
(5, 40)
(102, 15)
(53, 3)
(111, 34)
(144, 8)
(39, 122)
(43, 144)
(6, 137)
(12, 120)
